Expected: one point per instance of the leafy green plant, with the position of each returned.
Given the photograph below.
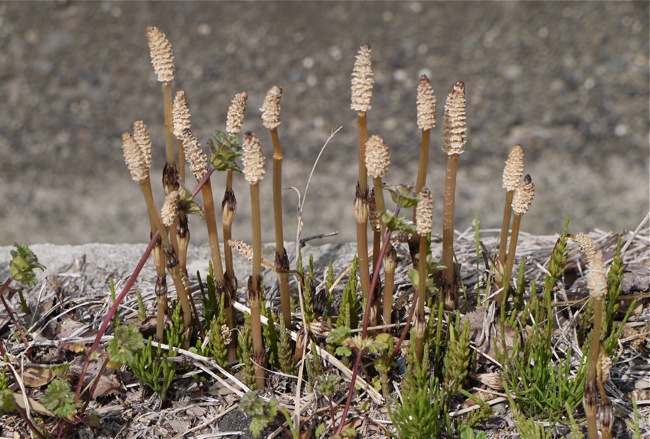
(59, 399)
(263, 413)
(126, 343)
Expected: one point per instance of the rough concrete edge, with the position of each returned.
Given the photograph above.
(122, 259)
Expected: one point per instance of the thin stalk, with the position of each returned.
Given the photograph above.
(448, 231)
(510, 261)
(422, 285)
(254, 288)
(389, 283)
(213, 233)
(378, 185)
(589, 398)
(281, 255)
(361, 214)
(181, 161)
(169, 126)
(161, 279)
(362, 127)
(424, 160)
(505, 227)
(228, 209)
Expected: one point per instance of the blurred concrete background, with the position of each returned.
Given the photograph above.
(567, 80)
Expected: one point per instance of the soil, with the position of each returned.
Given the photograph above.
(567, 80)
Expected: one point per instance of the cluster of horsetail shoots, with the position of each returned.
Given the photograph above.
(253, 173)
(172, 224)
(138, 160)
(512, 174)
(271, 121)
(453, 143)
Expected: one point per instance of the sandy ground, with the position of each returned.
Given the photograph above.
(569, 81)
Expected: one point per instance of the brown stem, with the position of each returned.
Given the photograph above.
(259, 354)
(228, 209)
(510, 261)
(362, 127)
(181, 161)
(161, 279)
(505, 226)
(422, 286)
(448, 229)
(213, 233)
(422, 164)
(424, 161)
(589, 400)
(362, 251)
(389, 285)
(283, 276)
(169, 127)
(379, 200)
(254, 283)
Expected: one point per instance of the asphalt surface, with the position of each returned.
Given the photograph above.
(569, 81)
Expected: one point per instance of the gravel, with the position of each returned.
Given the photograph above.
(567, 80)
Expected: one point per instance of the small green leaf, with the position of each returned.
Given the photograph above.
(339, 335)
(59, 399)
(23, 264)
(187, 204)
(394, 223)
(224, 150)
(403, 195)
(127, 341)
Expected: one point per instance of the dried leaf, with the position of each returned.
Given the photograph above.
(36, 376)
